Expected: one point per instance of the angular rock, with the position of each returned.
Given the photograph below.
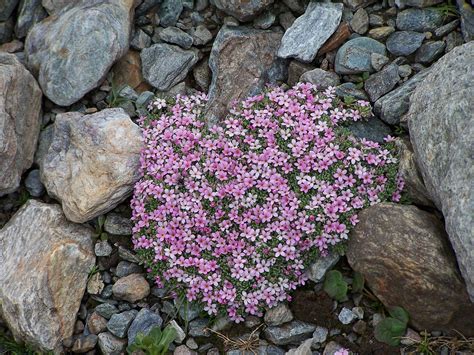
(33, 183)
(350, 89)
(29, 13)
(96, 323)
(6, 30)
(117, 224)
(6, 8)
(174, 35)
(40, 307)
(278, 315)
(103, 248)
(140, 40)
(378, 61)
(321, 78)
(131, 288)
(404, 42)
(180, 334)
(265, 20)
(296, 69)
(111, 345)
(346, 316)
(406, 260)
(360, 22)
(202, 75)
(320, 335)
(92, 162)
(442, 131)
(20, 120)
(95, 285)
(72, 52)
(106, 310)
(125, 268)
(354, 56)
(201, 35)
(429, 52)
(380, 33)
(84, 343)
(392, 106)
(309, 32)
(303, 349)
(243, 10)
(467, 19)
(120, 322)
(420, 20)
(128, 71)
(382, 82)
(54, 6)
(372, 129)
(417, 3)
(357, 4)
(318, 269)
(297, 6)
(169, 12)
(165, 65)
(342, 33)
(143, 323)
(235, 48)
(293, 332)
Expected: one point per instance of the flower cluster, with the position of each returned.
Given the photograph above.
(231, 215)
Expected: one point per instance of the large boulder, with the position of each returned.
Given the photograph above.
(243, 10)
(72, 51)
(242, 61)
(405, 257)
(441, 124)
(92, 162)
(44, 263)
(20, 119)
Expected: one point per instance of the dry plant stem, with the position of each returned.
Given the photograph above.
(249, 344)
(452, 343)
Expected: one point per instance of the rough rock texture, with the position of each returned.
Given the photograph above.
(44, 263)
(20, 119)
(466, 11)
(54, 6)
(404, 42)
(420, 20)
(6, 8)
(321, 78)
(243, 10)
(72, 52)
(406, 260)
(382, 82)
(309, 32)
(441, 124)
(131, 288)
(92, 162)
(128, 71)
(242, 61)
(29, 13)
(293, 332)
(354, 56)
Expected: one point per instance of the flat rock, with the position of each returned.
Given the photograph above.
(165, 65)
(309, 32)
(293, 332)
(404, 42)
(20, 120)
(278, 315)
(176, 36)
(382, 82)
(322, 78)
(72, 52)
(111, 345)
(443, 147)
(120, 322)
(354, 56)
(242, 10)
(416, 273)
(40, 307)
(372, 129)
(242, 62)
(143, 323)
(92, 162)
(420, 20)
(429, 52)
(131, 288)
(318, 269)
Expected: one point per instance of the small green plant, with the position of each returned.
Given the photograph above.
(10, 347)
(361, 79)
(94, 270)
(358, 283)
(114, 99)
(23, 198)
(335, 286)
(391, 329)
(99, 228)
(448, 9)
(156, 342)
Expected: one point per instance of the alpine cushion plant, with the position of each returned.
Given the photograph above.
(231, 215)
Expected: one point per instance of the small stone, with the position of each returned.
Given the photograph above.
(467, 19)
(378, 61)
(78, 327)
(140, 40)
(197, 328)
(430, 51)
(286, 19)
(404, 70)
(222, 323)
(176, 36)
(120, 322)
(346, 316)
(265, 20)
(12, 47)
(292, 332)
(111, 345)
(453, 40)
(410, 338)
(373, 129)
(342, 33)
(278, 315)
(318, 269)
(201, 35)
(169, 12)
(191, 343)
(382, 82)
(107, 292)
(188, 311)
(252, 321)
(106, 310)
(6, 30)
(103, 248)
(360, 327)
(303, 349)
(444, 30)
(117, 224)
(354, 56)
(243, 10)
(180, 334)
(28, 14)
(131, 288)
(380, 33)
(360, 21)
(332, 348)
(376, 20)
(95, 285)
(183, 350)
(84, 343)
(321, 78)
(144, 323)
(356, 4)
(350, 89)
(96, 323)
(320, 335)
(359, 312)
(376, 319)
(295, 70)
(404, 42)
(127, 255)
(33, 183)
(125, 268)
(420, 20)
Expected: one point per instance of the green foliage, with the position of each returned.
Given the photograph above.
(391, 329)
(99, 228)
(335, 286)
(23, 198)
(361, 80)
(400, 314)
(114, 99)
(10, 347)
(94, 270)
(448, 9)
(156, 342)
(358, 283)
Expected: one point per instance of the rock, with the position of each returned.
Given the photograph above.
(321, 78)
(303, 349)
(243, 10)
(54, 6)
(346, 316)
(131, 288)
(72, 52)
(443, 147)
(404, 70)
(117, 224)
(309, 32)
(128, 71)
(40, 307)
(33, 183)
(106, 310)
(320, 335)
(293, 332)
(12, 47)
(143, 323)
(29, 13)
(318, 269)
(342, 33)
(202, 75)
(278, 315)
(392, 106)
(111, 345)
(380, 33)
(286, 19)
(417, 3)
(332, 348)
(169, 12)
(125, 268)
(467, 19)
(382, 82)
(183, 350)
(176, 36)
(200, 35)
(140, 40)
(297, 6)
(103, 248)
(120, 322)
(359, 312)
(378, 61)
(442, 31)
(6, 30)
(92, 162)
(430, 51)
(265, 20)
(84, 343)
(360, 22)
(421, 20)
(165, 65)
(180, 334)
(95, 285)
(6, 8)
(418, 274)
(96, 323)
(453, 40)
(354, 56)
(350, 89)
(20, 119)
(357, 4)
(188, 311)
(404, 42)
(235, 48)
(295, 70)
(372, 129)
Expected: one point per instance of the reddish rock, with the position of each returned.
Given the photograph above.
(337, 39)
(128, 71)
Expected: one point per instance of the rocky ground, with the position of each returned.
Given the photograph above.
(74, 77)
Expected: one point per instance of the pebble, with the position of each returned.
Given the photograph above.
(292, 332)
(140, 40)
(111, 345)
(359, 312)
(360, 327)
(376, 318)
(188, 311)
(382, 82)
(332, 348)
(404, 70)
(350, 89)
(95, 285)
(197, 328)
(378, 61)
(33, 183)
(346, 316)
(430, 51)
(119, 323)
(375, 20)
(373, 129)
(380, 33)
(144, 322)
(201, 35)
(411, 337)
(107, 291)
(420, 20)
(278, 315)
(360, 21)
(321, 78)
(131, 288)
(286, 19)
(176, 36)
(169, 12)
(404, 42)
(85, 343)
(265, 20)
(117, 224)
(125, 268)
(320, 335)
(103, 248)
(180, 334)
(354, 56)
(96, 323)
(444, 30)
(191, 343)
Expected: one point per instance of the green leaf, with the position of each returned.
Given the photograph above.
(365, 75)
(155, 334)
(400, 314)
(358, 282)
(389, 331)
(101, 221)
(104, 236)
(335, 286)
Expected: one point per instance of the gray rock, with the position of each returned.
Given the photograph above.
(429, 52)
(332, 348)
(373, 129)
(467, 19)
(392, 106)
(286, 20)
(71, 53)
(95, 285)
(92, 162)
(417, 3)
(297, 6)
(111, 345)
(120, 322)
(420, 20)
(404, 42)
(318, 269)
(404, 70)
(125, 268)
(378, 61)
(29, 13)
(360, 22)
(265, 20)
(376, 20)
(140, 40)
(6, 8)
(443, 147)
(84, 343)
(103, 248)
(165, 65)
(278, 315)
(54, 6)
(143, 323)
(131, 288)
(126, 254)
(188, 311)
(106, 310)
(202, 75)
(201, 35)
(180, 334)
(444, 30)
(176, 36)
(320, 335)
(33, 183)
(197, 328)
(303, 349)
(243, 10)
(357, 4)
(6, 31)
(183, 350)
(350, 89)
(309, 32)
(169, 12)
(453, 40)
(382, 82)
(117, 224)
(380, 33)
(321, 78)
(346, 316)
(20, 119)
(288, 333)
(354, 56)
(40, 307)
